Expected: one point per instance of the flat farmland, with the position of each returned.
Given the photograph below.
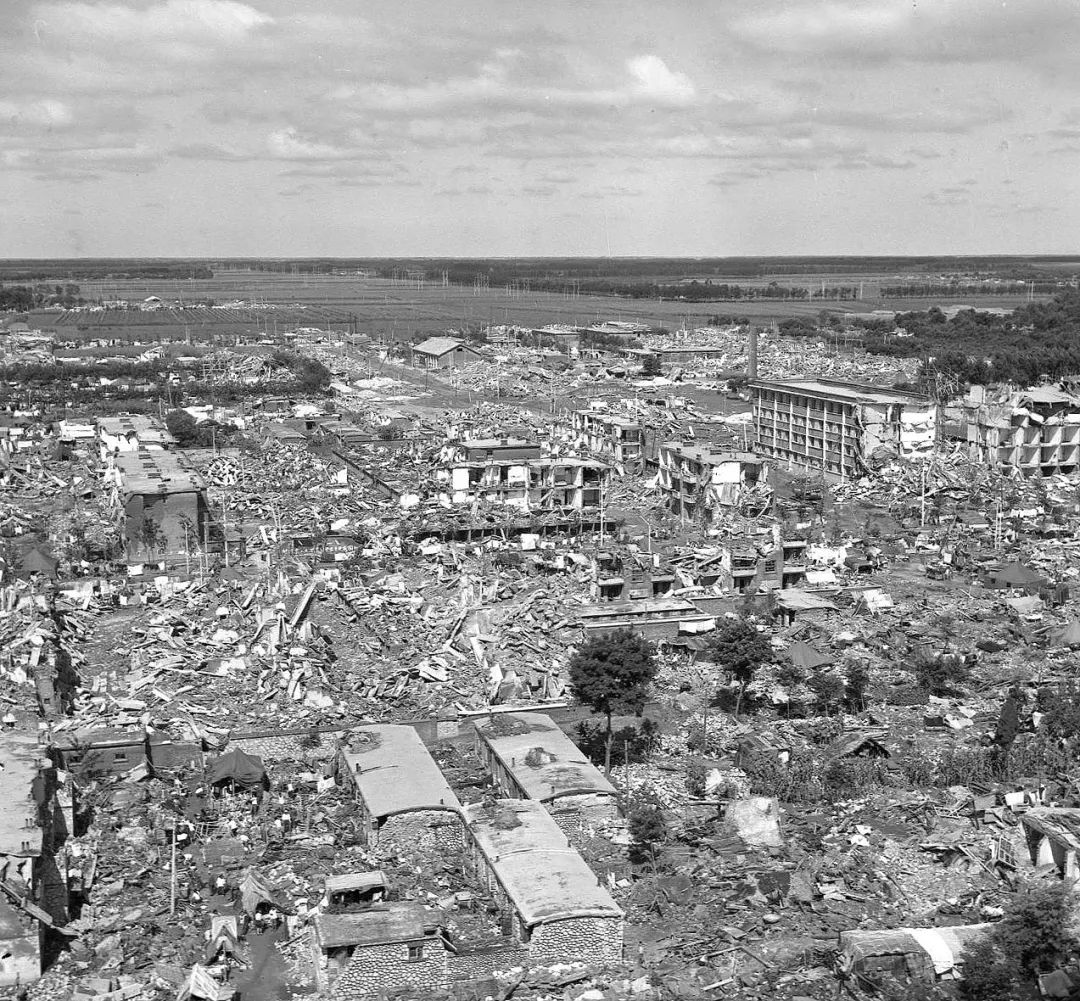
(263, 301)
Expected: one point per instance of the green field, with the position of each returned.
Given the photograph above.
(395, 309)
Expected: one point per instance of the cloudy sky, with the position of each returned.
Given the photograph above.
(493, 127)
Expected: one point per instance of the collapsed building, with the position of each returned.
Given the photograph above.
(1034, 432)
(698, 482)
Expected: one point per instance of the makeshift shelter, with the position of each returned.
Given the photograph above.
(224, 943)
(1068, 635)
(256, 892)
(924, 955)
(806, 657)
(239, 769)
(1017, 576)
(37, 559)
(200, 984)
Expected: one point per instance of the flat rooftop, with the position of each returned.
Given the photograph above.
(544, 877)
(854, 392)
(394, 771)
(157, 473)
(559, 770)
(20, 833)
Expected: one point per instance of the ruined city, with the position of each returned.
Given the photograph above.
(594, 661)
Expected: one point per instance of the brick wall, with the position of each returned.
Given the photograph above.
(586, 940)
(438, 831)
(378, 968)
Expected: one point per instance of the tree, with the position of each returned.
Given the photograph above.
(856, 683)
(828, 689)
(1036, 936)
(738, 647)
(651, 365)
(150, 536)
(183, 427)
(611, 673)
(1008, 724)
(648, 829)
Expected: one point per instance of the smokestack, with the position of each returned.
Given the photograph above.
(751, 359)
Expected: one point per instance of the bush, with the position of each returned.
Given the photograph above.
(941, 673)
(648, 831)
(628, 742)
(696, 774)
(850, 778)
(1036, 936)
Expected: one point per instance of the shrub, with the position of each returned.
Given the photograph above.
(648, 831)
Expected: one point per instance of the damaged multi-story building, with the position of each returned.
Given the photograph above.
(699, 482)
(517, 473)
(1034, 432)
(840, 428)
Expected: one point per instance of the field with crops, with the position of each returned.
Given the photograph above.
(252, 302)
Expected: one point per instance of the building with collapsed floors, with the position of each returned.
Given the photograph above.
(1053, 838)
(618, 440)
(515, 472)
(550, 900)
(405, 802)
(698, 482)
(661, 620)
(841, 428)
(1035, 432)
(529, 757)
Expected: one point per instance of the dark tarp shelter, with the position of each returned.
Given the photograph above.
(804, 656)
(256, 891)
(38, 560)
(240, 769)
(1016, 575)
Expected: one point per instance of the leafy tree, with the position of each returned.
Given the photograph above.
(150, 536)
(856, 682)
(648, 830)
(738, 647)
(611, 673)
(652, 366)
(1008, 724)
(828, 689)
(1036, 936)
(183, 427)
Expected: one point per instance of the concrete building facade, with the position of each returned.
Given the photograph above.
(1035, 432)
(837, 427)
(699, 482)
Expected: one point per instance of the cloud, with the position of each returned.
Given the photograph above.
(939, 31)
(655, 82)
(177, 22)
(81, 163)
(46, 113)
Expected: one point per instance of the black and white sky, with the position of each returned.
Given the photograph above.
(495, 127)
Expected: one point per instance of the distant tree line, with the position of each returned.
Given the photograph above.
(23, 298)
(91, 270)
(939, 290)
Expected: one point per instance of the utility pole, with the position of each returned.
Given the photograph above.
(172, 874)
